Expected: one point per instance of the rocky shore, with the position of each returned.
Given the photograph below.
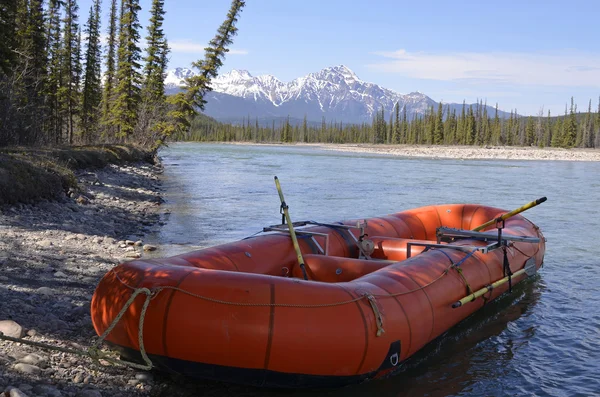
(471, 152)
(52, 255)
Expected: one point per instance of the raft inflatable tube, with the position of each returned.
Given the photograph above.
(242, 312)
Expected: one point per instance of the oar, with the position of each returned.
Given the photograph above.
(511, 213)
(284, 206)
(529, 268)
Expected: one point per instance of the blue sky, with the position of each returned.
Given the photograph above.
(524, 55)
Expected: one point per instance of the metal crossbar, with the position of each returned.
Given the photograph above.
(449, 234)
(464, 248)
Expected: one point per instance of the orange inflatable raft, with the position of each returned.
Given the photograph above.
(377, 291)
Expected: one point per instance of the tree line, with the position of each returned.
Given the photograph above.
(473, 125)
(53, 90)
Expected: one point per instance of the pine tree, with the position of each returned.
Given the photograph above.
(304, 129)
(183, 105)
(438, 132)
(92, 88)
(8, 14)
(152, 114)
(124, 110)
(588, 129)
(404, 135)
(397, 125)
(110, 75)
(156, 55)
(497, 128)
(71, 65)
(570, 128)
(30, 70)
(54, 82)
(547, 137)
(529, 132)
(198, 86)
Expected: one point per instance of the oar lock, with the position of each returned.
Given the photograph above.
(366, 246)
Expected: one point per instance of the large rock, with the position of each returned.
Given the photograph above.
(27, 369)
(11, 328)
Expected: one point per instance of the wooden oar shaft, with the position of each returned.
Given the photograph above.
(291, 228)
(511, 213)
(485, 290)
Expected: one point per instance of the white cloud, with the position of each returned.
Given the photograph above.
(560, 68)
(189, 47)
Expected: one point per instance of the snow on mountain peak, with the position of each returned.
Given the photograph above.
(334, 90)
(235, 75)
(176, 77)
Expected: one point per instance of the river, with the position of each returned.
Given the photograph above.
(542, 340)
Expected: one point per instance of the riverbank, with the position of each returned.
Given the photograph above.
(31, 174)
(52, 256)
(456, 152)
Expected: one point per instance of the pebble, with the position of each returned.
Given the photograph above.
(11, 328)
(34, 359)
(98, 240)
(27, 368)
(14, 392)
(60, 274)
(45, 243)
(149, 247)
(45, 291)
(134, 255)
(138, 243)
(129, 242)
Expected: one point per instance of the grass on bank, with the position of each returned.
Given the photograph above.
(32, 174)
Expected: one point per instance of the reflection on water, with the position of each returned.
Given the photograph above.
(543, 339)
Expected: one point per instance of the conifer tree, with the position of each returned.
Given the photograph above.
(587, 129)
(110, 75)
(397, 126)
(183, 106)
(570, 128)
(438, 132)
(124, 109)
(92, 88)
(54, 81)
(152, 111)
(30, 71)
(404, 135)
(156, 55)
(71, 57)
(8, 13)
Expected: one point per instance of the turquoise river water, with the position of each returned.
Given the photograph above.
(541, 340)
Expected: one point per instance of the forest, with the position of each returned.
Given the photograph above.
(60, 86)
(441, 126)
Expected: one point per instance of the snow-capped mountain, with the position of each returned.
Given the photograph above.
(335, 93)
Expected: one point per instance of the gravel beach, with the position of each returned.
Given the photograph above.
(52, 255)
(472, 152)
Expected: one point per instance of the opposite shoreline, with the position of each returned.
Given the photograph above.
(451, 152)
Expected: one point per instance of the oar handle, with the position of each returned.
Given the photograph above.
(291, 228)
(511, 213)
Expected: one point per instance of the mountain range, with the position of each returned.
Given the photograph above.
(335, 93)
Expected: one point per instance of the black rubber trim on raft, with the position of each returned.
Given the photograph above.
(245, 376)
